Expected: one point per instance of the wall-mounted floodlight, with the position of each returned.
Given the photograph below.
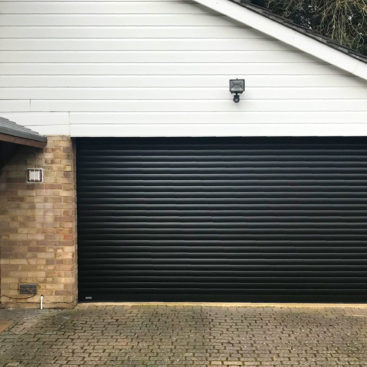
(236, 87)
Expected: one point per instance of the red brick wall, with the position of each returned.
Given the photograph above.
(38, 226)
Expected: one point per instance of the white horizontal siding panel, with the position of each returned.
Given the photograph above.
(182, 93)
(161, 68)
(114, 20)
(126, 32)
(198, 105)
(35, 118)
(102, 7)
(139, 44)
(165, 69)
(65, 1)
(9, 105)
(153, 56)
(200, 130)
(44, 123)
(210, 118)
(49, 129)
(176, 81)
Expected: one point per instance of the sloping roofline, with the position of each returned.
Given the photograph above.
(289, 34)
(12, 132)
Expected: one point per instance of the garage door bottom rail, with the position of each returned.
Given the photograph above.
(223, 298)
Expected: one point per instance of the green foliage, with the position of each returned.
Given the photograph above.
(343, 21)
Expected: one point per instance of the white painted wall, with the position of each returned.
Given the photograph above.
(161, 68)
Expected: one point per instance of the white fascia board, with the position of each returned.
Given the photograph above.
(288, 36)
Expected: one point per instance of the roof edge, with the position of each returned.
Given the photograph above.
(288, 35)
(14, 133)
(288, 23)
(23, 134)
(22, 141)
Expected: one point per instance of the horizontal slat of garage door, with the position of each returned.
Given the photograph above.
(222, 219)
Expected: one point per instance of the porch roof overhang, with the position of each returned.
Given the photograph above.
(12, 132)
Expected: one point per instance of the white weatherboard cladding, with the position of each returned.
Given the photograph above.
(161, 68)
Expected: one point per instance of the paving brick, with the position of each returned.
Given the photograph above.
(152, 335)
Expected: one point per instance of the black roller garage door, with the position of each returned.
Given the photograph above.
(222, 219)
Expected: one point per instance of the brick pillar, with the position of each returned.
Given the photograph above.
(38, 226)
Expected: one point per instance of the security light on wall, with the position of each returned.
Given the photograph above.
(34, 175)
(236, 87)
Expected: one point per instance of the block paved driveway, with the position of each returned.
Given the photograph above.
(178, 335)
